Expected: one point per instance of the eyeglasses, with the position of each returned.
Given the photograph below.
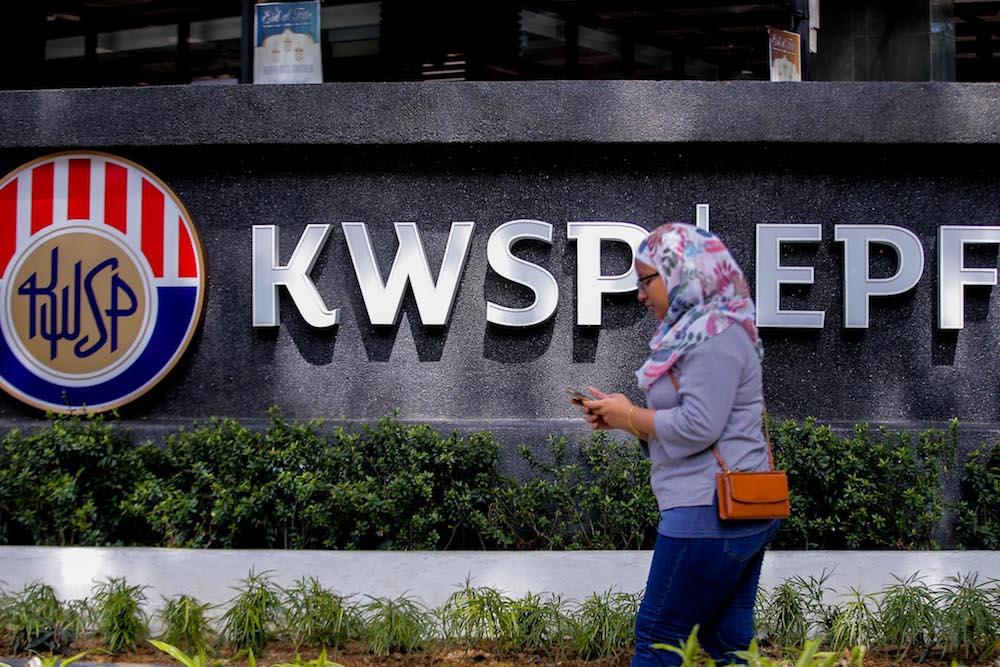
(645, 280)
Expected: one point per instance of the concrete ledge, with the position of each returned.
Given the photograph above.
(602, 112)
(432, 576)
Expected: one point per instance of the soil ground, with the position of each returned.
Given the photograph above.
(355, 655)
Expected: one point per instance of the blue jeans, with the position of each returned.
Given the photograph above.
(708, 582)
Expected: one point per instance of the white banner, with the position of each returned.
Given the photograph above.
(286, 39)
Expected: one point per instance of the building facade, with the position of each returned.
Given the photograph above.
(460, 251)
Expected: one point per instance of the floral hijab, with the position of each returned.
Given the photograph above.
(707, 294)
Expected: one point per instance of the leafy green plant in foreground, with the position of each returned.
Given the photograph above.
(475, 614)
(199, 659)
(544, 625)
(253, 613)
(58, 661)
(856, 622)
(782, 615)
(809, 655)
(796, 610)
(315, 616)
(970, 617)
(318, 661)
(908, 616)
(603, 625)
(483, 616)
(959, 619)
(117, 608)
(36, 620)
(395, 625)
(185, 624)
(689, 651)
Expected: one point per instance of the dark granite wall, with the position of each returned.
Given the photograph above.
(918, 156)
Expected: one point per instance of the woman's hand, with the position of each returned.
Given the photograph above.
(595, 422)
(608, 411)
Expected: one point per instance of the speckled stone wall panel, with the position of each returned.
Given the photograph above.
(506, 112)
(914, 155)
(901, 369)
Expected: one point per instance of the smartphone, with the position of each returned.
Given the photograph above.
(580, 396)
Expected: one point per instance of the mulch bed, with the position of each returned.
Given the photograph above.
(356, 655)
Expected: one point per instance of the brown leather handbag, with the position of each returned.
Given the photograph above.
(751, 495)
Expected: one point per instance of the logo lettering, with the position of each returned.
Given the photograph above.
(96, 303)
(55, 313)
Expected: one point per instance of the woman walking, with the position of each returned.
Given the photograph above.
(704, 398)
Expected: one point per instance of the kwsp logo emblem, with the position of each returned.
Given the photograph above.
(102, 280)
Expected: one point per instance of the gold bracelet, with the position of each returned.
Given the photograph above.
(631, 427)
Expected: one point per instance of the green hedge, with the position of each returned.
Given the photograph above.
(979, 508)
(873, 489)
(390, 485)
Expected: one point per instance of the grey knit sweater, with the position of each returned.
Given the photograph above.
(719, 402)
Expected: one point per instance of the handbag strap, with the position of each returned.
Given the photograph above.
(767, 432)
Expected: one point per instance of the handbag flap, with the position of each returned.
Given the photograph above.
(758, 487)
